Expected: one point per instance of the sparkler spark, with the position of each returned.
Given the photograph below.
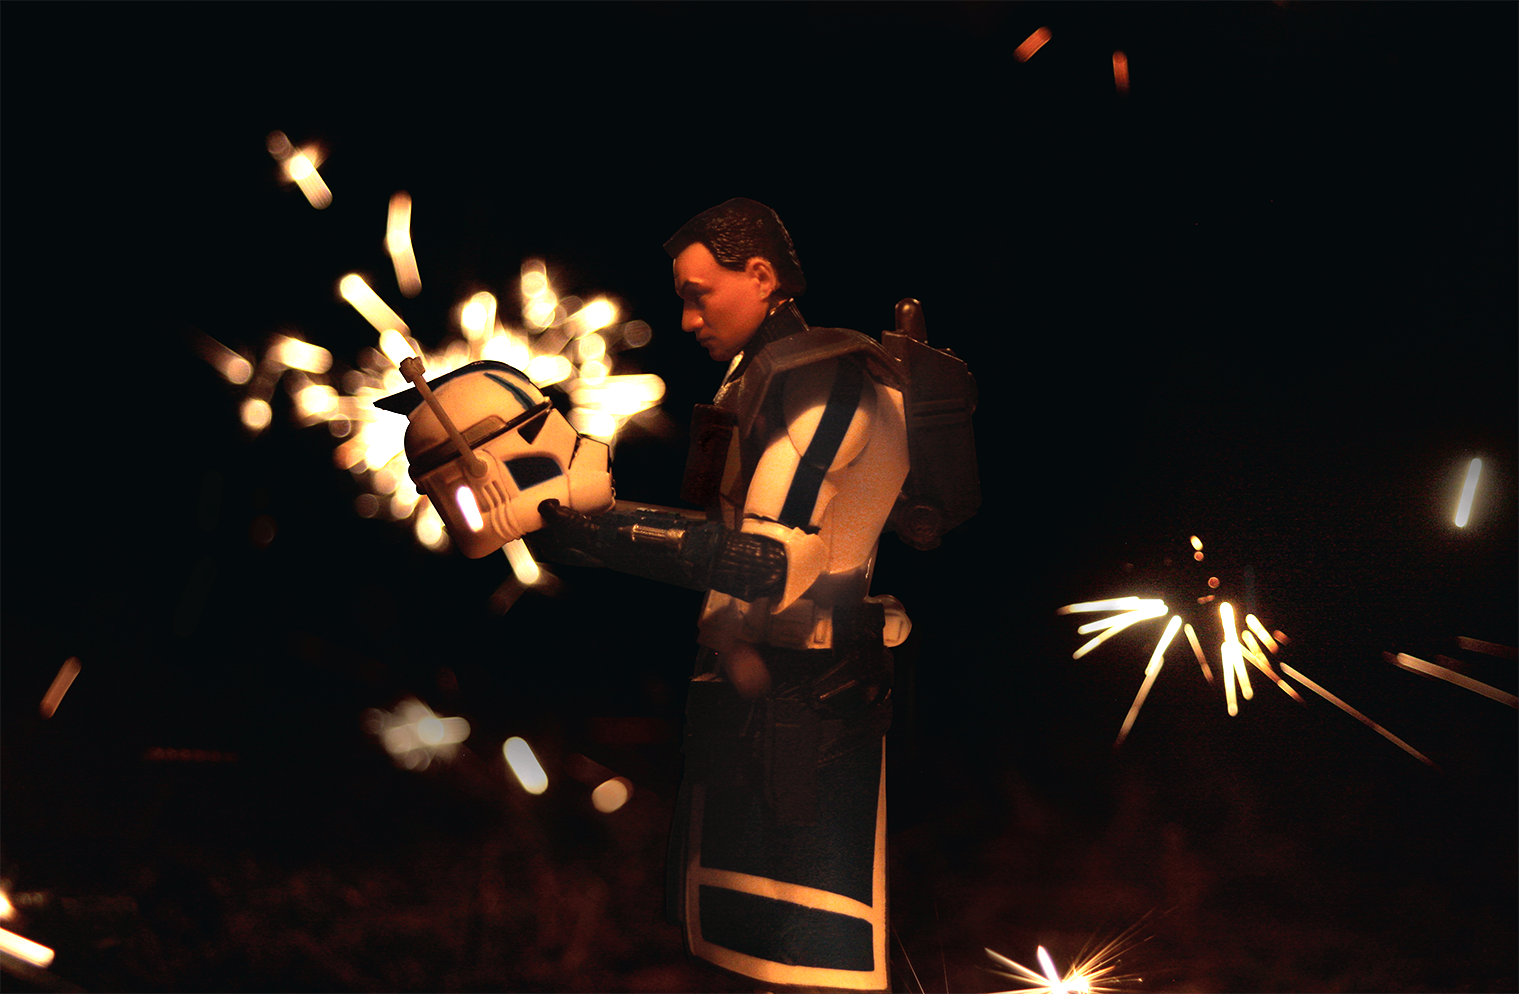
(1468, 491)
(1094, 972)
(1358, 716)
(1254, 645)
(1416, 665)
(561, 341)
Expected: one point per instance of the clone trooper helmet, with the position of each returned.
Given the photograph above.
(524, 452)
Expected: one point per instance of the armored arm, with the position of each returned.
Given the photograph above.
(665, 545)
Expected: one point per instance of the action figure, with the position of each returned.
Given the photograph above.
(777, 867)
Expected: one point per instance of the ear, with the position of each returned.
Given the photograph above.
(759, 270)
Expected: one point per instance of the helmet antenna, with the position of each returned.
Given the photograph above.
(412, 369)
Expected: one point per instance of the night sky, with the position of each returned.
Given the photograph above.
(1267, 297)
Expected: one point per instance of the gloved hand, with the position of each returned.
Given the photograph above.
(567, 536)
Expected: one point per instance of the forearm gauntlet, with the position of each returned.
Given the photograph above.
(659, 545)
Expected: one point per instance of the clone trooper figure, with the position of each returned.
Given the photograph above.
(777, 866)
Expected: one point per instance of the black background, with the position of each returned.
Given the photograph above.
(1266, 298)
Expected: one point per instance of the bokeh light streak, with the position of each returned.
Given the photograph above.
(1229, 655)
(1119, 623)
(1482, 646)
(1197, 650)
(414, 736)
(358, 293)
(524, 765)
(60, 686)
(25, 949)
(292, 353)
(1358, 716)
(524, 567)
(1031, 44)
(233, 367)
(301, 167)
(1121, 74)
(1152, 670)
(427, 525)
(1417, 665)
(1254, 624)
(1232, 653)
(591, 318)
(611, 795)
(546, 370)
(398, 244)
(1111, 604)
(255, 414)
(1468, 491)
(1258, 658)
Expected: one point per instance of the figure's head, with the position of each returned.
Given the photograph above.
(732, 264)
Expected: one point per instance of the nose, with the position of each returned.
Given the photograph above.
(690, 319)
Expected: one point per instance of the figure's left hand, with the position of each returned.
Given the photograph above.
(567, 535)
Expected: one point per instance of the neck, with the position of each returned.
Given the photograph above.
(784, 319)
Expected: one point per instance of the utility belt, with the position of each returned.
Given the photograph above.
(809, 624)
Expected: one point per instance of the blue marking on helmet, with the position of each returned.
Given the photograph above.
(512, 388)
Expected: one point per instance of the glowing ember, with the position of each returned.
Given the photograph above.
(60, 686)
(1031, 44)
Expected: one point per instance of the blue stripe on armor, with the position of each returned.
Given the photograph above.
(513, 389)
(843, 401)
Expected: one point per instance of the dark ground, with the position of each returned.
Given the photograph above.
(1267, 299)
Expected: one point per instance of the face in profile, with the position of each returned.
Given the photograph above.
(723, 307)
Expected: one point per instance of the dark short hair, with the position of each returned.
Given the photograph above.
(738, 230)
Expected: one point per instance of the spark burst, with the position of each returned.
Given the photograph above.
(1239, 649)
(1094, 972)
(560, 342)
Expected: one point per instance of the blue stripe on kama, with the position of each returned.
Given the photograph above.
(843, 401)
